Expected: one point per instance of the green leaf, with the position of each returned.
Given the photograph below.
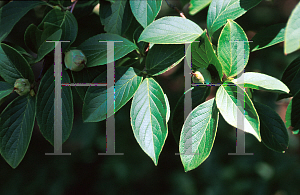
(171, 30)
(291, 76)
(199, 95)
(13, 65)
(16, 126)
(141, 45)
(288, 114)
(32, 37)
(51, 33)
(292, 33)
(5, 89)
(86, 75)
(168, 107)
(66, 21)
(272, 129)
(233, 49)
(267, 37)
(149, 118)
(96, 52)
(95, 101)
(36, 39)
(220, 11)
(116, 17)
(12, 12)
(295, 113)
(162, 58)
(198, 134)
(45, 106)
(196, 6)
(230, 106)
(261, 81)
(145, 11)
(204, 55)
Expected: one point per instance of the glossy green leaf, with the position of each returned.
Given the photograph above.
(16, 126)
(292, 32)
(145, 11)
(95, 101)
(230, 107)
(295, 113)
(267, 37)
(168, 107)
(198, 134)
(116, 17)
(32, 37)
(196, 6)
(12, 12)
(45, 106)
(288, 114)
(36, 39)
(272, 129)
(96, 52)
(86, 75)
(171, 30)
(141, 45)
(261, 81)
(233, 49)
(50, 33)
(220, 11)
(291, 76)
(13, 65)
(66, 21)
(5, 89)
(162, 58)
(149, 118)
(199, 95)
(203, 55)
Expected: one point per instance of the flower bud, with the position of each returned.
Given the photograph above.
(75, 60)
(201, 76)
(22, 87)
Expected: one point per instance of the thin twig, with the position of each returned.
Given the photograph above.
(176, 9)
(73, 5)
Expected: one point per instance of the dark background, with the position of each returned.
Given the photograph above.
(84, 172)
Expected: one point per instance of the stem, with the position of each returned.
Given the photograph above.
(73, 5)
(176, 9)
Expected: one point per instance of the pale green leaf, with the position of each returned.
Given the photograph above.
(199, 95)
(231, 109)
(197, 5)
(220, 11)
(171, 30)
(198, 134)
(149, 118)
(233, 49)
(260, 81)
(292, 32)
(145, 11)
